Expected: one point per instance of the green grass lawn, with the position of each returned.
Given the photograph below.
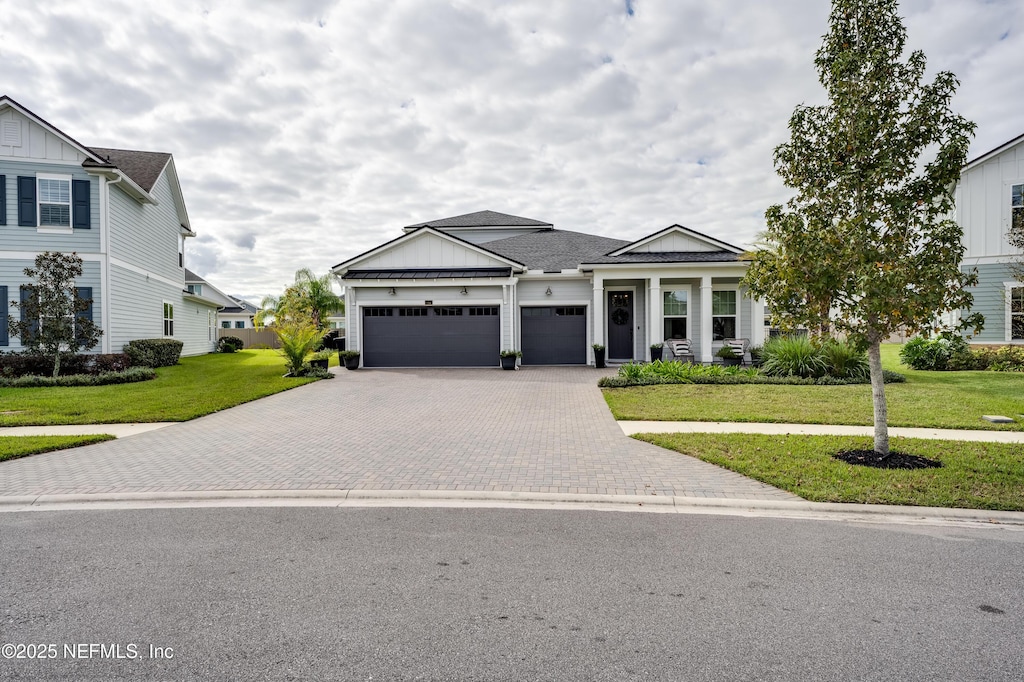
(973, 475)
(928, 399)
(198, 385)
(12, 447)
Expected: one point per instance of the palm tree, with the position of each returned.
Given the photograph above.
(310, 296)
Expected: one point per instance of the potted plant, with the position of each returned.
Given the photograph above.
(598, 355)
(756, 356)
(508, 358)
(321, 359)
(656, 351)
(728, 356)
(350, 358)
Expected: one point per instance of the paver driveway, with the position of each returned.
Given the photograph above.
(534, 430)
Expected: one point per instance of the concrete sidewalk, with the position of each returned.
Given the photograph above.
(117, 430)
(631, 427)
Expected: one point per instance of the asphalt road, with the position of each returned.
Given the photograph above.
(470, 594)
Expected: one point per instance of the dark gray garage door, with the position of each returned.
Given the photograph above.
(555, 336)
(446, 336)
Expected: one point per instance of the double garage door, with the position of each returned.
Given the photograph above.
(431, 336)
(470, 336)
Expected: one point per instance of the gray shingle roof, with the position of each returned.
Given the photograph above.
(669, 257)
(483, 219)
(142, 167)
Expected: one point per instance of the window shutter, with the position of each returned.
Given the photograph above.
(27, 202)
(84, 292)
(26, 295)
(80, 215)
(3, 315)
(3, 200)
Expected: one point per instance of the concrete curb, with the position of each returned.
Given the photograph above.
(631, 427)
(886, 514)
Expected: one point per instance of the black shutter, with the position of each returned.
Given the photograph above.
(3, 316)
(86, 293)
(27, 202)
(3, 200)
(80, 216)
(26, 295)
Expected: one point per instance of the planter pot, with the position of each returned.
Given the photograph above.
(323, 364)
(657, 354)
(508, 363)
(352, 363)
(599, 358)
(732, 362)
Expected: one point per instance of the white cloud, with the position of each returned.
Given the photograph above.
(308, 131)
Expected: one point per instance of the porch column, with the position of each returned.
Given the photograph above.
(756, 321)
(598, 321)
(654, 325)
(706, 355)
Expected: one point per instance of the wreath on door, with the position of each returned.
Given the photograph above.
(620, 316)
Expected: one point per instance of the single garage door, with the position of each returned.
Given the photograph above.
(555, 335)
(435, 336)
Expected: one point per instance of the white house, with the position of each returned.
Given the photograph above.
(121, 211)
(456, 291)
(989, 200)
(233, 313)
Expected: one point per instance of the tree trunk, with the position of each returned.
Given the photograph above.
(56, 363)
(878, 398)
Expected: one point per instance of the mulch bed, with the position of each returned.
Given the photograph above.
(895, 460)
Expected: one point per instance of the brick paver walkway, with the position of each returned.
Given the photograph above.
(534, 430)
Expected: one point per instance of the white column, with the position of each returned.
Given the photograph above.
(706, 355)
(654, 323)
(756, 321)
(598, 321)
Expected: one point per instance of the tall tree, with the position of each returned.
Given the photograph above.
(867, 244)
(51, 319)
(310, 296)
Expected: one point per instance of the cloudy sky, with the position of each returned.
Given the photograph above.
(307, 131)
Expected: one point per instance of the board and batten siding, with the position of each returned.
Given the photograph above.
(146, 235)
(35, 141)
(428, 250)
(675, 241)
(14, 237)
(983, 203)
(12, 275)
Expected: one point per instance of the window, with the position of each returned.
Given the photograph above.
(239, 324)
(168, 319)
(723, 315)
(1017, 314)
(575, 311)
(412, 312)
(195, 289)
(675, 310)
(225, 324)
(377, 312)
(54, 192)
(447, 312)
(487, 311)
(1017, 207)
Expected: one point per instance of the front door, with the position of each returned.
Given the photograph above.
(620, 325)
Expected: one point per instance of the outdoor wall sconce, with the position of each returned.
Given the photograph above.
(548, 292)
(463, 292)
(391, 291)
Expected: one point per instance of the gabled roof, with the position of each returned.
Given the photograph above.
(144, 168)
(994, 152)
(715, 244)
(482, 219)
(239, 306)
(408, 236)
(6, 101)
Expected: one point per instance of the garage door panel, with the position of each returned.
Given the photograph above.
(555, 335)
(453, 336)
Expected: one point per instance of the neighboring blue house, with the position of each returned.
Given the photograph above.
(989, 201)
(121, 211)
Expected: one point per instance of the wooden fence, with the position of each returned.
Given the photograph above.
(259, 338)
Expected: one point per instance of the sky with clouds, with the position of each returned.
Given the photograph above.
(308, 131)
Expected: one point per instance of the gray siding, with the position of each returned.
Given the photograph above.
(145, 235)
(990, 301)
(16, 238)
(137, 313)
(192, 327)
(12, 276)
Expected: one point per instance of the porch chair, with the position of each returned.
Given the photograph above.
(680, 349)
(739, 347)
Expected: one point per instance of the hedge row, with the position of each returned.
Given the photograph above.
(154, 352)
(127, 376)
(15, 364)
(624, 382)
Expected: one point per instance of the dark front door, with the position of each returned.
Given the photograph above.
(620, 325)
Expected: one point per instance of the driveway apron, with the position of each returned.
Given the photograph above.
(533, 430)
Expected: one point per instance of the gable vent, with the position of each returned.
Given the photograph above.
(10, 133)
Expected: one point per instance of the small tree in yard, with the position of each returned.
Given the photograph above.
(50, 314)
(867, 245)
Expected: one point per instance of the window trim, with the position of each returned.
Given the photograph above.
(736, 290)
(1008, 319)
(688, 288)
(165, 319)
(54, 229)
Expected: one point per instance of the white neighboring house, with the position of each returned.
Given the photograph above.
(989, 200)
(121, 211)
(233, 313)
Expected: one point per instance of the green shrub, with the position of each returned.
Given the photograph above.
(793, 356)
(153, 352)
(742, 377)
(128, 376)
(936, 354)
(230, 344)
(844, 360)
(348, 354)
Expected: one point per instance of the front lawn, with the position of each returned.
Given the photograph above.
(952, 400)
(197, 386)
(973, 475)
(12, 447)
